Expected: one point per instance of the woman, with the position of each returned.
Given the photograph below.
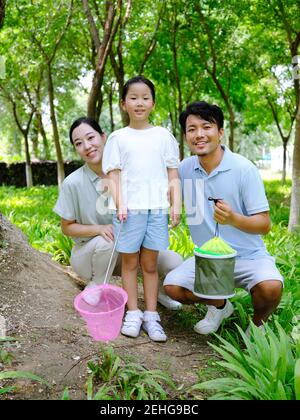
(83, 205)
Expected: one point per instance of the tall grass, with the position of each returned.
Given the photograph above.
(31, 210)
(112, 378)
(268, 368)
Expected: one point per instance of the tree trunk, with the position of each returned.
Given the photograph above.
(119, 73)
(28, 170)
(60, 162)
(294, 220)
(35, 138)
(93, 98)
(46, 150)
(2, 12)
(178, 85)
(103, 50)
(111, 111)
(283, 179)
(229, 109)
(231, 125)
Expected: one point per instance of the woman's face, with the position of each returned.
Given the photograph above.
(88, 143)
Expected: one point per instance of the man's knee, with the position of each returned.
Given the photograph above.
(175, 292)
(269, 291)
(168, 261)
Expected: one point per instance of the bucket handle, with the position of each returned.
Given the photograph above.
(215, 200)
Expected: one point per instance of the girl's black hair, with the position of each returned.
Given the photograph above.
(203, 110)
(84, 120)
(138, 79)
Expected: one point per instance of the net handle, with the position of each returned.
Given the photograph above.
(112, 254)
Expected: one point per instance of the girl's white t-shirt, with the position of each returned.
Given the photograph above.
(143, 157)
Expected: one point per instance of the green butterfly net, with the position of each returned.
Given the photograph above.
(214, 269)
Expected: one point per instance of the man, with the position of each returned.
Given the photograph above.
(242, 214)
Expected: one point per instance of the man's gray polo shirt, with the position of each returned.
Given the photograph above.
(237, 181)
(81, 198)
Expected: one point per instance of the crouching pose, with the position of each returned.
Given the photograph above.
(243, 215)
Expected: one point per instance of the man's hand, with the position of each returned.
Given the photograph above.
(223, 213)
(106, 231)
(257, 224)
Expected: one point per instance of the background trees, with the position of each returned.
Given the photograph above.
(65, 58)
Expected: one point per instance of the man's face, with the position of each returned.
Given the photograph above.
(203, 137)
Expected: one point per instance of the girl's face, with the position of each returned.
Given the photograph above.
(138, 102)
(89, 144)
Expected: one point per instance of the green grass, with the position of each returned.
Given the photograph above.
(267, 369)
(12, 375)
(113, 378)
(31, 210)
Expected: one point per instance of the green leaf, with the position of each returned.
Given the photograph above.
(65, 395)
(18, 374)
(7, 390)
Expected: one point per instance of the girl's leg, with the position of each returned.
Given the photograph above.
(151, 319)
(130, 264)
(148, 262)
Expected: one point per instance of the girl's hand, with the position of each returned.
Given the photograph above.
(122, 214)
(106, 231)
(174, 216)
(223, 213)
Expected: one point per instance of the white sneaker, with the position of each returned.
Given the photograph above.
(168, 303)
(93, 297)
(152, 326)
(132, 323)
(213, 319)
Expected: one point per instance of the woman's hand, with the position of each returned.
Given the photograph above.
(106, 231)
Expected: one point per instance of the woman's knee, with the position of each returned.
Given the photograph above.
(102, 245)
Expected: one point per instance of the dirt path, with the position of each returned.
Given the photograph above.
(37, 303)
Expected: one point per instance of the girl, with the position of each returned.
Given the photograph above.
(83, 207)
(141, 161)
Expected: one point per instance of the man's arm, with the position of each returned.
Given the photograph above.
(259, 224)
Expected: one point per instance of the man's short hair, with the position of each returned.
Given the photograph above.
(203, 110)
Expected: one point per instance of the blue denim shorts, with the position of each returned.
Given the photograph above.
(143, 228)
